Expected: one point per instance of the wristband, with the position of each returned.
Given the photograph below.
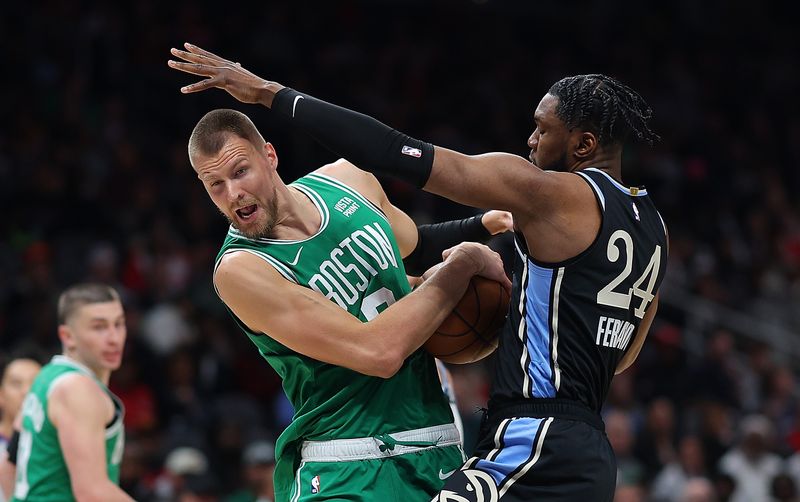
(435, 238)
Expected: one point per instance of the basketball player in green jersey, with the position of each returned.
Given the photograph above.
(71, 438)
(313, 274)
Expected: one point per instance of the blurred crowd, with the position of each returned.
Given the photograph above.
(95, 185)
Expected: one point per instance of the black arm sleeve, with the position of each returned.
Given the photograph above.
(435, 238)
(364, 141)
(12, 447)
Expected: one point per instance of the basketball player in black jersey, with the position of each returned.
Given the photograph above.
(591, 254)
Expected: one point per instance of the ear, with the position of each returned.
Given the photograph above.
(66, 336)
(271, 154)
(587, 145)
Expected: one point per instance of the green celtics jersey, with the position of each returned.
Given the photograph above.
(352, 260)
(42, 473)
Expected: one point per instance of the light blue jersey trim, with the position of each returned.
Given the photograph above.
(518, 446)
(537, 320)
(632, 191)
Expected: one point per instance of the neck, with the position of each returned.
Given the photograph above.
(608, 161)
(104, 375)
(298, 216)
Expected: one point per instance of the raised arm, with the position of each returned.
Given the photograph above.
(498, 180)
(79, 410)
(421, 246)
(306, 322)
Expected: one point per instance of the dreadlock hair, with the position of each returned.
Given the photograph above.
(605, 106)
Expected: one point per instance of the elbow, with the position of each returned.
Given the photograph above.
(389, 368)
(383, 363)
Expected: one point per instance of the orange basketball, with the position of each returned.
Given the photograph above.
(472, 331)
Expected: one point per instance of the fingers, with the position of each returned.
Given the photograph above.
(202, 52)
(201, 86)
(200, 58)
(194, 68)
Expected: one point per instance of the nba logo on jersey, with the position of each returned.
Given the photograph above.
(635, 211)
(315, 484)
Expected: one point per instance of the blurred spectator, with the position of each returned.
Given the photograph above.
(663, 366)
(619, 429)
(258, 463)
(716, 431)
(725, 486)
(670, 484)
(199, 488)
(181, 465)
(781, 405)
(697, 490)
(16, 376)
(750, 463)
(784, 489)
(755, 376)
(715, 377)
(655, 444)
(629, 493)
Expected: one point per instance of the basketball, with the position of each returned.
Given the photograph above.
(471, 332)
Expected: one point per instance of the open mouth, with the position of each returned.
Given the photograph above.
(247, 211)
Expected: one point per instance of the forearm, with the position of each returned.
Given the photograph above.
(407, 324)
(363, 140)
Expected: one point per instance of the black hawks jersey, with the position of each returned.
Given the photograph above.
(570, 323)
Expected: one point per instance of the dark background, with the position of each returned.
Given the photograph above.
(95, 184)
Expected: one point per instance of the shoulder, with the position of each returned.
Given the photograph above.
(361, 181)
(74, 393)
(71, 385)
(242, 276)
(239, 265)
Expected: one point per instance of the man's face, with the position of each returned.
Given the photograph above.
(238, 180)
(551, 140)
(16, 382)
(96, 333)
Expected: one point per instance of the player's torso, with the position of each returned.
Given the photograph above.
(353, 260)
(42, 473)
(571, 323)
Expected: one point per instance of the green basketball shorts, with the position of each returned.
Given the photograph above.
(406, 466)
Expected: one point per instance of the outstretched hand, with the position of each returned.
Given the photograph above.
(223, 74)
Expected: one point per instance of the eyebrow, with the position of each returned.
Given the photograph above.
(103, 319)
(205, 177)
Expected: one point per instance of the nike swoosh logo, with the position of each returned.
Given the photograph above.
(294, 105)
(445, 475)
(297, 257)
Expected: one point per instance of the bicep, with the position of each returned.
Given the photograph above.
(300, 318)
(495, 180)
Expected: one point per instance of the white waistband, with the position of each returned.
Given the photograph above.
(342, 450)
